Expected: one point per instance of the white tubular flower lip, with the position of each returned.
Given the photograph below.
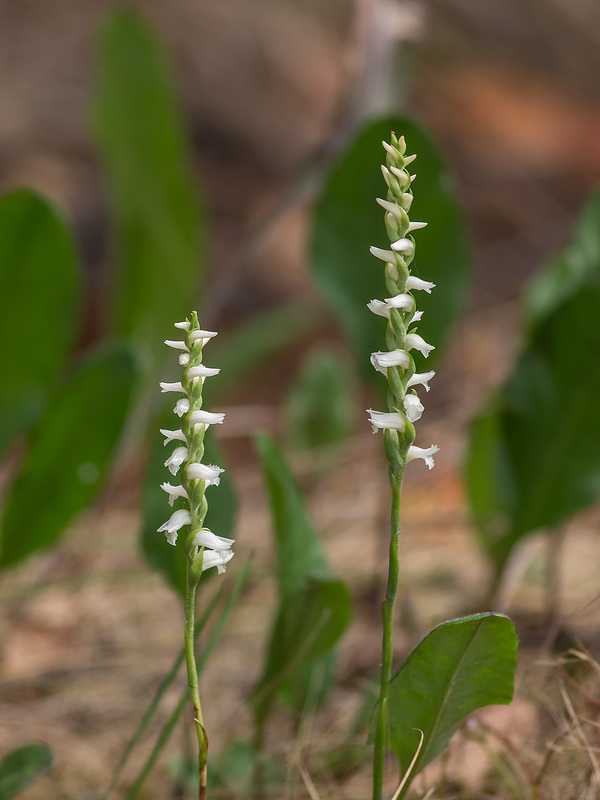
(384, 255)
(392, 208)
(176, 344)
(204, 472)
(202, 372)
(171, 436)
(391, 150)
(184, 359)
(413, 407)
(171, 387)
(182, 407)
(414, 284)
(206, 538)
(383, 307)
(177, 520)
(391, 420)
(416, 342)
(395, 358)
(216, 558)
(184, 326)
(176, 459)
(416, 317)
(403, 246)
(201, 417)
(420, 379)
(426, 453)
(415, 226)
(174, 492)
(197, 335)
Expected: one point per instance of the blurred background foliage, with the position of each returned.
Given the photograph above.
(224, 156)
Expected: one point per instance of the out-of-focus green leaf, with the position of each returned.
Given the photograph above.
(70, 453)
(39, 296)
(534, 457)
(321, 406)
(220, 519)
(460, 666)
(23, 766)
(348, 221)
(158, 233)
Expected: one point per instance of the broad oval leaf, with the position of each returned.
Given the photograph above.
(39, 291)
(23, 766)
(220, 518)
(70, 452)
(460, 666)
(158, 230)
(348, 221)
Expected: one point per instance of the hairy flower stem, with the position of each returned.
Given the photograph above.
(388, 608)
(192, 673)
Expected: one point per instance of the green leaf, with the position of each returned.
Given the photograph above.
(321, 406)
(155, 207)
(460, 666)
(39, 293)
(70, 453)
(309, 624)
(222, 507)
(22, 767)
(348, 221)
(534, 455)
(300, 556)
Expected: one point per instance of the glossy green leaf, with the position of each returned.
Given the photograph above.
(155, 208)
(70, 453)
(39, 297)
(348, 221)
(22, 767)
(534, 456)
(460, 666)
(321, 406)
(220, 518)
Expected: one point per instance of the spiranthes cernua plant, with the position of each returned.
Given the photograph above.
(185, 528)
(404, 404)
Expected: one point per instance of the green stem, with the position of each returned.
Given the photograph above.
(387, 646)
(192, 673)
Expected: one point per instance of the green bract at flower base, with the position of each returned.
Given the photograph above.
(203, 549)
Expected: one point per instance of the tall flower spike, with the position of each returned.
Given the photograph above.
(400, 310)
(186, 459)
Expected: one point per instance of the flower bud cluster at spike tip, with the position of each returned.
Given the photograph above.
(400, 309)
(203, 549)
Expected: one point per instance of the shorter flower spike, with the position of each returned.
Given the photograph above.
(381, 420)
(421, 452)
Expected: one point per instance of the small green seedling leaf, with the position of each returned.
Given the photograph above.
(459, 667)
(39, 293)
(348, 221)
(70, 453)
(22, 767)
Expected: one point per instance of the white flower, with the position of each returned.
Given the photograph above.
(195, 336)
(182, 407)
(415, 226)
(413, 407)
(416, 317)
(184, 326)
(201, 417)
(420, 379)
(171, 387)
(414, 284)
(382, 419)
(216, 558)
(421, 452)
(176, 344)
(178, 519)
(406, 201)
(202, 372)
(395, 358)
(206, 538)
(391, 207)
(176, 459)
(392, 151)
(204, 472)
(171, 436)
(403, 246)
(416, 342)
(173, 492)
(383, 307)
(384, 255)
(184, 359)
